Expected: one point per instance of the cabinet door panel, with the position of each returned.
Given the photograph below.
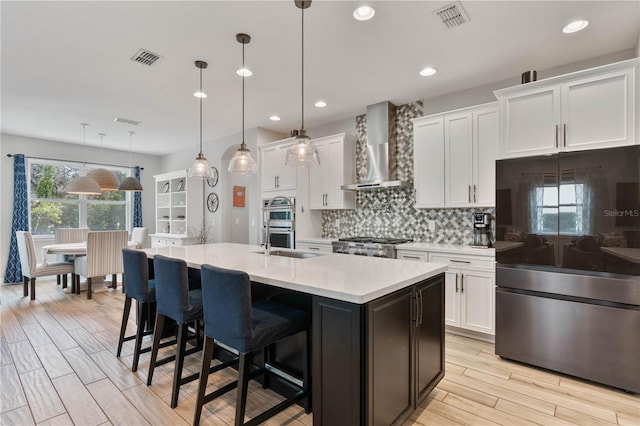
(335, 174)
(428, 161)
(269, 166)
(451, 298)
(317, 187)
(529, 123)
(429, 338)
(485, 152)
(390, 358)
(478, 301)
(598, 111)
(458, 160)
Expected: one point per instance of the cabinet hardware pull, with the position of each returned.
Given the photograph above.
(556, 135)
(459, 261)
(456, 282)
(415, 318)
(469, 193)
(313, 248)
(404, 256)
(420, 293)
(461, 283)
(474, 194)
(564, 135)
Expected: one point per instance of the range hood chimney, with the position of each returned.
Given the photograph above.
(381, 149)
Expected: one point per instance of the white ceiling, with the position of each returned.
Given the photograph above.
(67, 62)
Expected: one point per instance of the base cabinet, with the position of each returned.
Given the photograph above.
(469, 294)
(379, 360)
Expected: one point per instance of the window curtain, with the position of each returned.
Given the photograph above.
(588, 198)
(137, 201)
(20, 221)
(529, 206)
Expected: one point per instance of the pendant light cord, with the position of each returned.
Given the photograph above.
(302, 73)
(201, 111)
(243, 146)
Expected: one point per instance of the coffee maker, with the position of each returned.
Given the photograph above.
(482, 230)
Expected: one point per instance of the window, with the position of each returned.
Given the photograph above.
(567, 204)
(51, 207)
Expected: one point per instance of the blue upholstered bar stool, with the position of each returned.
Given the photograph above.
(184, 306)
(141, 289)
(232, 320)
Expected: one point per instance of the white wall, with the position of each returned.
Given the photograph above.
(30, 147)
(222, 224)
(638, 46)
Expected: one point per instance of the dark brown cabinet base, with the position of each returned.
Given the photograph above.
(374, 363)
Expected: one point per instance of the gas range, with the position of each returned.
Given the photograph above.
(368, 246)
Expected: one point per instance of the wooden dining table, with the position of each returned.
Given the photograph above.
(74, 249)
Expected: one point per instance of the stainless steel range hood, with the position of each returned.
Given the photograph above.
(381, 149)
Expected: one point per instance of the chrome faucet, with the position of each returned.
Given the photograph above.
(267, 242)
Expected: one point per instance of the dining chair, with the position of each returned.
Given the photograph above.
(104, 257)
(232, 319)
(65, 236)
(139, 235)
(31, 269)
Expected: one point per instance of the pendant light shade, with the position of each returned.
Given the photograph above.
(242, 162)
(83, 184)
(106, 179)
(130, 183)
(302, 153)
(200, 168)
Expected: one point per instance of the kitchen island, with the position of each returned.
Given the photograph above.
(377, 325)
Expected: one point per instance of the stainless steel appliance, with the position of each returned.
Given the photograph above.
(568, 263)
(278, 221)
(368, 246)
(482, 230)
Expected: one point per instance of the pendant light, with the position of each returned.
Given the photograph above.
(130, 183)
(242, 162)
(302, 153)
(200, 168)
(106, 179)
(83, 184)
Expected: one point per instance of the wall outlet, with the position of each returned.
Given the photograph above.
(237, 221)
(431, 225)
(337, 223)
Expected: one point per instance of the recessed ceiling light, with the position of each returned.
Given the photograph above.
(364, 13)
(244, 72)
(428, 71)
(575, 26)
(274, 118)
(200, 95)
(320, 104)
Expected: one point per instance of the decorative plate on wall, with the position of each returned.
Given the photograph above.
(181, 185)
(212, 202)
(165, 188)
(214, 180)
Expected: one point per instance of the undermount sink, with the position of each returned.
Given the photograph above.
(296, 254)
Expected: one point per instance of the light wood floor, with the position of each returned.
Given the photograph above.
(59, 367)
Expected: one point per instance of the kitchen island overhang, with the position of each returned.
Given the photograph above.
(377, 326)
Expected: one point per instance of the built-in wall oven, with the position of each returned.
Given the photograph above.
(278, 221)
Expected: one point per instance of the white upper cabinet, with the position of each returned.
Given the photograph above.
(337, 168)
(275, 174)
(589, 109)
(428, 161)
(454, 158)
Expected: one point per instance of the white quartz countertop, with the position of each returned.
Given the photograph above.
(448, 248)
(355, 279)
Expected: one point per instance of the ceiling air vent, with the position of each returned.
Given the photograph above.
(126, 121)
(145, 57)
(452, 15)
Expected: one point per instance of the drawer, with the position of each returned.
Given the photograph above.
(412, 255)
(158, 242)
(462, 261)
(315, 247)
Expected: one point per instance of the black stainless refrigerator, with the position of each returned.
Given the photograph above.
(568, 263)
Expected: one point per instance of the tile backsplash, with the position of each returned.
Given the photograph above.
(391, 212)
